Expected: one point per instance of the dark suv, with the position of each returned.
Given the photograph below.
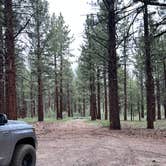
(17, 143)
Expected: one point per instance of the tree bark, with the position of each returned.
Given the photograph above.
(61, 88)
(158, 99)
(2, 74)
(40, 93)
(105, 95)
(98, 95)
(131, 102)
(83, 106)
(68, 101)
(93, 109)
(138, 109)
(125, 91)
(23, 107)
(142, 96)
(131, 112)
(49, 99)
(112, 69)
(39, 70)
(56, 96)
(11, 104)
(164, 66)
(75, 106)
(32, 105)
(2, 110)
(71, 108)
(149, 77)
(125, 78)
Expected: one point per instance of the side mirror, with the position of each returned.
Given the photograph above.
(3, 119)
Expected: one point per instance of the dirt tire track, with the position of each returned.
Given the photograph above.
(77, 143)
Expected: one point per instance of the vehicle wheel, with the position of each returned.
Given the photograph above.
(24, 155)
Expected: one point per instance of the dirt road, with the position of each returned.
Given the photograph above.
(78, 143)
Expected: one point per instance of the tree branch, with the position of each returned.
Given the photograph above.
(160, 34)
(22, 28)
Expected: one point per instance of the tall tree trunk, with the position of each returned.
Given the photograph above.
(125, 80)
(131, 112)
(32, 106)
(112, 69)
(158, 99)
(105, 95)
(83, 102)
(125, 91)
(131, 103)
(2, 110)
(39, 70)
(49, 99)
(91, 98)
(93, 109)
(71, 108)
(149, 77)
(56, 95)
(75, 106)
(2, 94)
(61, 88)
(40, 93)
(23, 106)
(164, 66)
(68, 101)
(21, 99)
(142, 96)
(138, 109)
(98, 95)
(11, 103)
(79, 107)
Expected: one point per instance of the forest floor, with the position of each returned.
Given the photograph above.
(79, 143)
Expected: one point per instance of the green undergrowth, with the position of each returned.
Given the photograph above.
(159, 124)
(29, 120)
(47, 120)
(102, 123)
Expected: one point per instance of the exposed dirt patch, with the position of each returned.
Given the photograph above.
(77, 143)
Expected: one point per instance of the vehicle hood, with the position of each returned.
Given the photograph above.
(17, 125)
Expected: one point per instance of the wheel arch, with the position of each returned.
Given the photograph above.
(28, 140)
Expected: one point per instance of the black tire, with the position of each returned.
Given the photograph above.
(24, 155)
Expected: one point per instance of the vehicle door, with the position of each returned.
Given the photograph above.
(5, 143)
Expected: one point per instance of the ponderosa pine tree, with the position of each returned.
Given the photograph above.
(63, 46)
(38, 35)
(164, 66)
(82, 84)
(11, 105)
(59, 47)
(54, 50)
(98, 95)
(2, 58)
(105, 93)
(112, 67)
